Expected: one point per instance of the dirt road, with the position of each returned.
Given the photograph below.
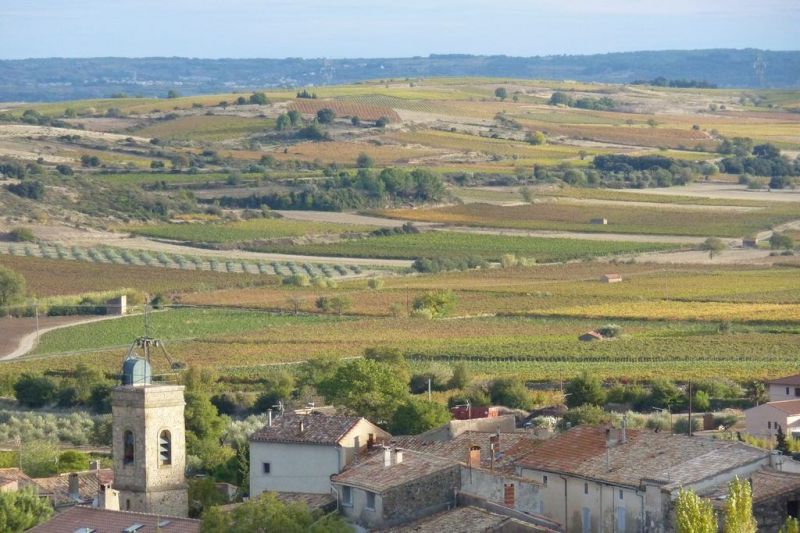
(18, 335)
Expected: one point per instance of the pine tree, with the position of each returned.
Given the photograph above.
(780, 442)
(739, 508)
(694, 514)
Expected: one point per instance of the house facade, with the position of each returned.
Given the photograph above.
(392, 487)
(765, 419)
(786, 388)
(300, 453)
(599, 479)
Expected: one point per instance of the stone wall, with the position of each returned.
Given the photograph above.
(422, 496)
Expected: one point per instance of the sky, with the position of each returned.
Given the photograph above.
(378, 28)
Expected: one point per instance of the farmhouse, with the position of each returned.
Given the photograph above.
(395, 486)
(765, 419)
(751, 242)
(605, 479)
(591, 336)
(599, 221)
(611, 278)
(785, 388)
(117, 306)
(297, 453)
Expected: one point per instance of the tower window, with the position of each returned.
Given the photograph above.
(165, 448)
(266, 467)
(127, 440)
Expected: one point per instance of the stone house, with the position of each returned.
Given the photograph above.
(12, 479)
(394, 486)
(611, 278)
(763, 420)
(603, 479)
(300, 453)
(88, 519)
(785, 388)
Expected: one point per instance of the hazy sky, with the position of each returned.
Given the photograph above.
(377, 28)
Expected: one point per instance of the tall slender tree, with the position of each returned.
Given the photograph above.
(739, 508)
(694, 514)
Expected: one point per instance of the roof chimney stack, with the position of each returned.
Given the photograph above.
(74, 487)
(398, 456)
(474, 457)
(302, 426)
(387, 456)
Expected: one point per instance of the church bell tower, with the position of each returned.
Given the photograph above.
(149, 440)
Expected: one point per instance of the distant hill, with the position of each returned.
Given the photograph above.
(62, 79)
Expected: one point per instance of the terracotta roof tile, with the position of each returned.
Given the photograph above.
(513, 446)
(317, 429)
(672, 459)
(57, 487)
(791, 407)
(104, 521)
(371, 474)
(463, 520)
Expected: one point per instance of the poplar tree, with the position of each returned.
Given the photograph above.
(694, 514)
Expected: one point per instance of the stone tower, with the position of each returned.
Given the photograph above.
(149, 443)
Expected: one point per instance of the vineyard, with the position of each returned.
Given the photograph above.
(459, 245)
(245, 230)
(346, 108)
(206, 127)
(566, 216)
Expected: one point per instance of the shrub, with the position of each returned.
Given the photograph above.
(682, 424)
(510, 393)
(586, 414)
(440, 303)
(34, 391)
(297, 280)
(22, 235)
(375, 283)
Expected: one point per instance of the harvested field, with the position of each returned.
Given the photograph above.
(346, 108)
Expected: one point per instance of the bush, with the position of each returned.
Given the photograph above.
(297, 280)
(22, 235)
(416, 416)
(34, 391)
(511, 393)
(586, 414)
(32, 189)
(682, 425)
(73, 461)
(610, 330)
(439, 303)
(326, 115)
(375, 283)
(585, 389)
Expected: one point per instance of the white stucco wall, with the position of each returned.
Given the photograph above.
(779, 393)
(293, 467)
(757, 418)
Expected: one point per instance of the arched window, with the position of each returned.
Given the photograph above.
(165, 448)
(127, 440)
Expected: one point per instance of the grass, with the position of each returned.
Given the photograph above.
(451, 245)
(244, 230)
(172, 324)
(621, 219)
(206, 127)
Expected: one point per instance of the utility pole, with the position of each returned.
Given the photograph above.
(429, 390)
(689, 430)
(36, 313)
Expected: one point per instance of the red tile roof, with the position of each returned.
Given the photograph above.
(791, 407)
(11, 475)
(513, 446)
(57, 487)
(787, 380)
(317, 429)
(104, 521)
(371, 474)
(674, 460)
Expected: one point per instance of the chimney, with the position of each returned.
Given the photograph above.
(494, 441)
(74, 484)
(474, 458)
(108, 498)
(398, 456)
(302, 426)
(269, 417)
(387, 456)
(94, 465)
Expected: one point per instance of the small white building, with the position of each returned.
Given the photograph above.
(786, 388)
(300, 453)
(765, 419)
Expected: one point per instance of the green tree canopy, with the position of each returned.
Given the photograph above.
(501, 93)
(259, 99)
(266, 514)
(368, 388)
(22, 509)
(416, 416)
(12, 286)
(510, 392)
(326, 115)
(585, 389)
(35, 391)
(739, 508)
(440, 303)
(694, 514)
